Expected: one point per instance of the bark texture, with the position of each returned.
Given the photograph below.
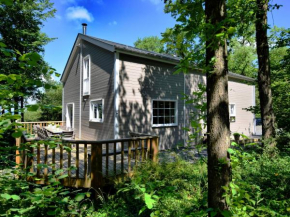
(264, 80)
(219, 170)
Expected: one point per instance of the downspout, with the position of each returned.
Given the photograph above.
(116, 95)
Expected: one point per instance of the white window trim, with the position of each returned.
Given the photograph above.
(176, 113)
(66, 114)
(90, 69)
(91, 111)
(235, 111)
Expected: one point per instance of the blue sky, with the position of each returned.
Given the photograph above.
(121, 21)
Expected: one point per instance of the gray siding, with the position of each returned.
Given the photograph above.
(141, 81)
(72, 92)
(243, 96)
(102, 87)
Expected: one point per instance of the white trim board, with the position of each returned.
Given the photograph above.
(116, 95)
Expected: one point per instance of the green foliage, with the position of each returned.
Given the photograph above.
(151, 43)
(166, 189)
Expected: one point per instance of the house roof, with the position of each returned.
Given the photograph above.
(113, 47)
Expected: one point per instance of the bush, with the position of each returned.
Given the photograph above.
(167, 189)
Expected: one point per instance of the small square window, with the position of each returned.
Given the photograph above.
(232, 111)
(96, 110)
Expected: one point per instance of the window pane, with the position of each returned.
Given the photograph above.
(167, 112)
(172, 104)
(95, 111)
(155, 104)
(100, 111)
(155, 120)
(172, 111)
(160, 104)
(172, 120)
(167, 120)
(155, 112)
(161, 112)
(167, 104)
(161, 120)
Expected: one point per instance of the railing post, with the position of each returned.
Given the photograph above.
(18, 157)
(96, 166)
(154, 150)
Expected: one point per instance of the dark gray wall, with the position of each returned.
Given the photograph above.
(72, 91)
(102, 86)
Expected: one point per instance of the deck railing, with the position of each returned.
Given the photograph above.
(95, 162)
(29, 125)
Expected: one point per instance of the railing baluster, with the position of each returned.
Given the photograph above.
(53, 160)
(38, 160)
(45, 161)
(115, 159)
(86, 161)
(122, 157)
(31, 159)
(107, 159)
(142, 150)
(77, 160)
(69, 160)
(129, 155)
(61, 156)
(136, 142)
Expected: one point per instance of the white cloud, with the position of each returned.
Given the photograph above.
(67, 1)
(79, 13)
(113, 23)
(58, 17)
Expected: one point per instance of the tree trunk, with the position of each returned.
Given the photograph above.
(219, 170)
(264, 81)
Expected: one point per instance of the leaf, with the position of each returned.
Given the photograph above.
(53, 213)
(6, 196)
(17, 134)
(149, 201)
(62, 177)
(226, 213)
(15, 197)
(80, 197)
(231, 30)
(2, 44)
(32, 108)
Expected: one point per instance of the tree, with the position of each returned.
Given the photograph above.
(206, 26)
(20, 23)
(264, 75)
(51, 103)
(151, 43)
(218, 127)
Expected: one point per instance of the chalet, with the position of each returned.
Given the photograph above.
(110, 89)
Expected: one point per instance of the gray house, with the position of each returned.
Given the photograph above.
(110, 89)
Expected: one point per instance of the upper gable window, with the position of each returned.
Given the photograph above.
(86, 75)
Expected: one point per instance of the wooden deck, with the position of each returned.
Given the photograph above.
(84, 163)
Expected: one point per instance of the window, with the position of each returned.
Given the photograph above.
(232, 109)
(164, 113)
(97, 110)
(86, 75)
